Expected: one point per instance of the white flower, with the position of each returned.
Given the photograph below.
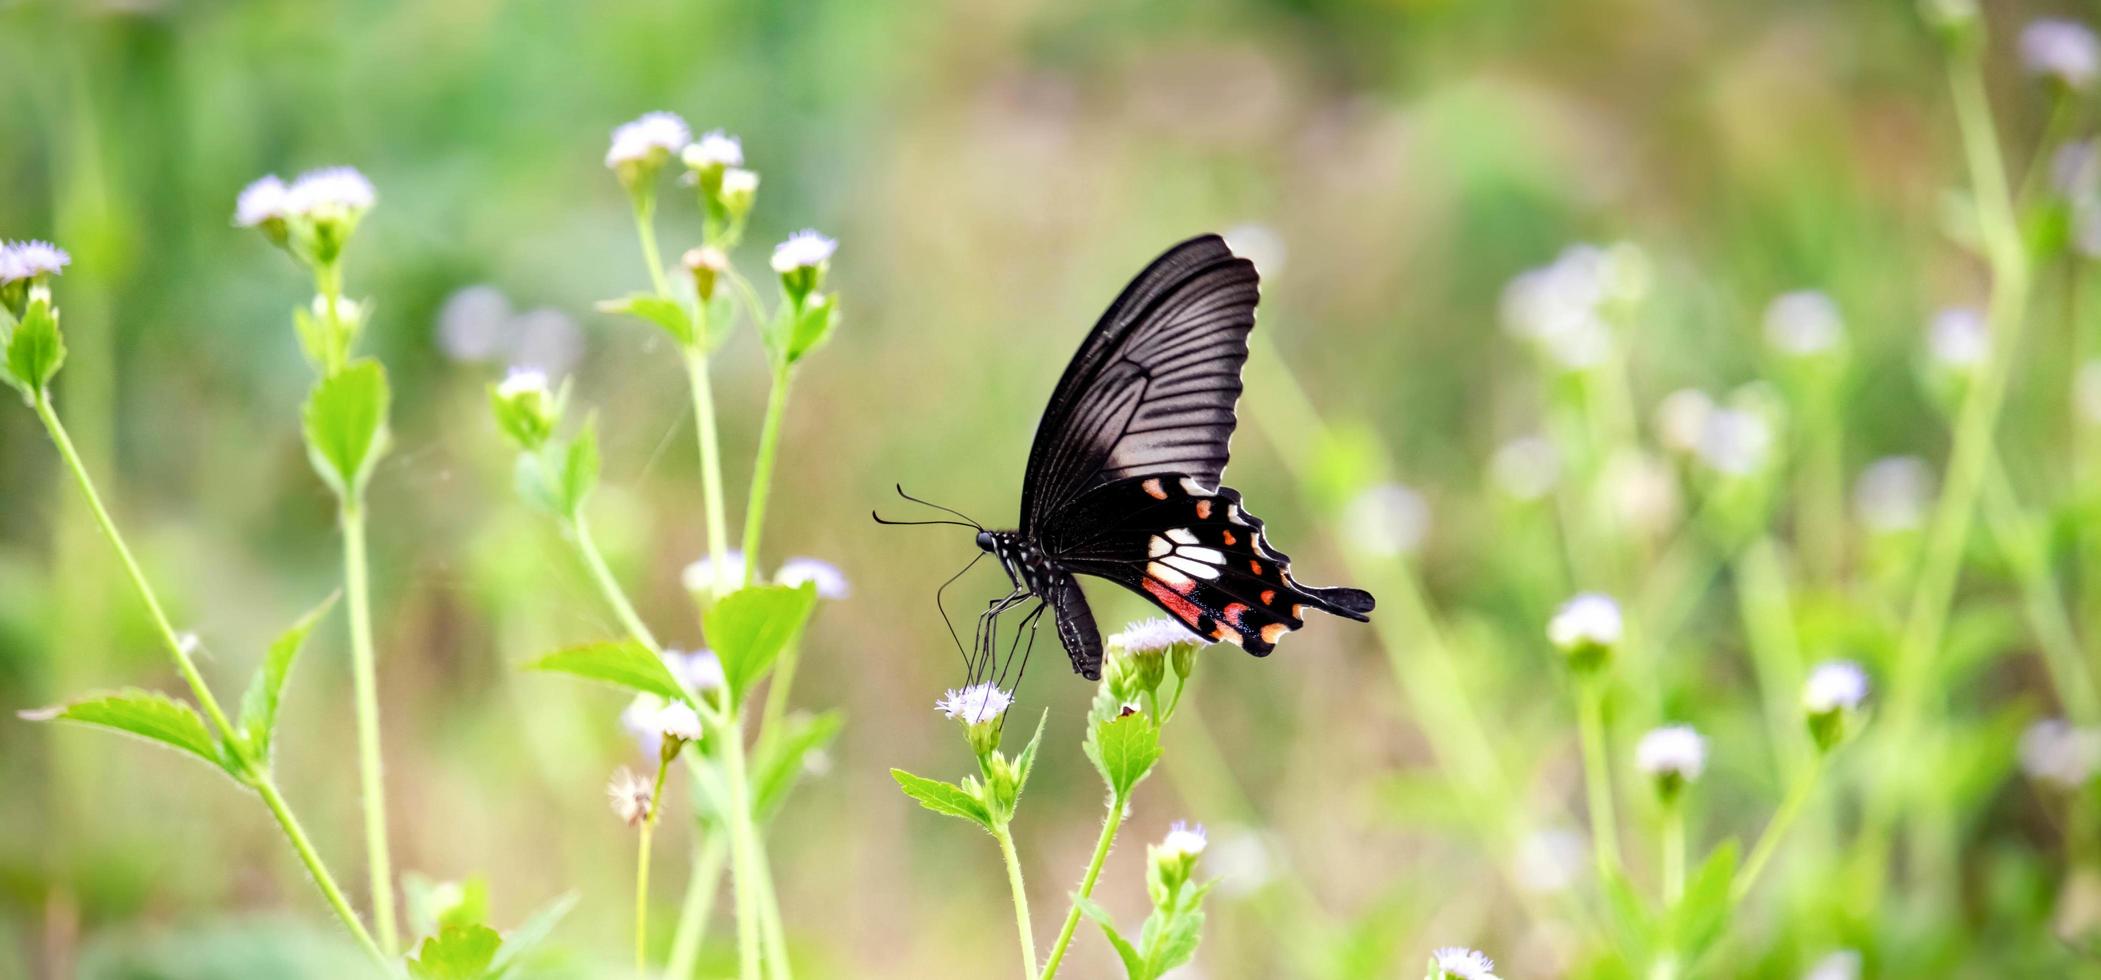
(1183, 841)
(1643, 490)
(656, 136)
(1460, 963)
(2062, 49)
(1259, 244)
(2056, 752)
(1673, 750)
(522, 381)
(472, 323)
(1550, 860)
(975, 704)
(699, 671)
(1803, 323)
(805, 249)
(629, 795)
(1153, 636)
(545, 339)
(648, 718)
(2086, 392)
(1388, 520)
(1735, 441)
(739, 181)
(1956, 339)
(1526, 467)
(1842, 964)
(266, 199)
(1835, 685)
(702, 577)
(330, 191)
(1244, 860)
(831, 582)
(678, 720)
(1591, 619)
(30, 259)
(1892, 493)
(714, 149)
(1562, 306)
(1681, 419)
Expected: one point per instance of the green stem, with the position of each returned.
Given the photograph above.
(1597, 778)
(1769, 841)
(261, 780)
(2041, 597)
(777, 690)
(649, 826)
(744, 867)
(701, 882)
(762, 469)
(646, 230)
(1110, 824)
(608, 586)
(773, 938)
(710, 462)
(1673, 854)
(1005, 837)
(365, 682)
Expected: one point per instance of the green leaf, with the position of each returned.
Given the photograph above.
(1174, 942)
(812, 326)
(781, 759)
(532, 932)
(1124, 750)
(1699, 918)
(666, 313)
(1134, 966)
(944, 798)
(259, 704)
(34, 349)
(749, 627)
(1026, 761)
(623, 663)
(1629, 919)
(580, 468)
(149, 715)
(433, 905)
(346, 426)
(457, 952)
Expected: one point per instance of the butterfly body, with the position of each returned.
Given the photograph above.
(1123, 479)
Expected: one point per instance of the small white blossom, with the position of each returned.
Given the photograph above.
(703, 577)
(473, 322)
(545, 339)
(803, 250)
(2059, 753)
(629, 795)
(2061, 49)
(678, 720)
(1643, 490)
(1591, 619)
(1244, 860)
(1673, 750)
(1526, 467)
(714, 149)
(1460, 963)
(30, 259)
(1183, 841)
(330, 191)
(1563, 306)
(655, 136)
(1835, 685)
(1803, 323)
(1681, 419)
(1842, 964)
(1956, 339)
(975, 704)
(522, 381)
(1735, 441)
(699, 671)
(738, 181)
(266, 199)
(1388, 520)
(1153, 636)
(1892, 494)
(831, 582)
(649, 718)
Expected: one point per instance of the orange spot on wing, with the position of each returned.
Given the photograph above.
(1269, 596)
(1231, 540)
(1173, 602)
(1154, 490)
(1272, 632)
(1203, 510)
(1256, 566)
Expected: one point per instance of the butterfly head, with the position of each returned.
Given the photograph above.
(987, 543)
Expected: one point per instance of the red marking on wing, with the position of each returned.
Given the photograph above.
(1255, 565)
(1173, 602)
(1231, 540)
(1154, 490)
(1234, 611)
(1203, 510)
(1269, 596)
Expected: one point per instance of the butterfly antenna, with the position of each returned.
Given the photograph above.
(973, 521)
(943, 609)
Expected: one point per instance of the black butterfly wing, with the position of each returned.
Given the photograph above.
(1152, 389)
(1197, 554)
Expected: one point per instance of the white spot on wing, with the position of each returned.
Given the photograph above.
(1196, 568)
(1182, 535)
(1168, 576)
(1209, 556)
(1157, 546)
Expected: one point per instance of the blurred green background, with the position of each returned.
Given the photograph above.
(993, 171)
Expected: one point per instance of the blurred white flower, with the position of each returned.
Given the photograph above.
(975, 704)
(655, 137)
(1892, 494)
(1803, 323)
(1244, 861)
(1460, 963)
(2059, 753)
(2064, 50)
(739, 182)
(522, 381)
(1835, 685)
(1735, 441)
(1673, 750)
(1526, 467)
(330, 191)
(1591, 619)
(648, 718)
(831, 582)
(678, 720)
(2086, 392)
(1388, 520)
(1681, 419)
(803, 250)
(1183, 841)
(1643, 490)
(1562, 306)
(1259, 244)
(1551, 860)
(1842, 964)
(699, 671)
(1154, 635)
(546, 339)
(1956, 339)
(265, 199)
(471, 323)
(30, 259)
(629, 795)
(714, 149)
(702, 577)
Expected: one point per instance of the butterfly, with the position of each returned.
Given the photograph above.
(1123, 480)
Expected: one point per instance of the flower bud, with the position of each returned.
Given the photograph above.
(1831, 700)
(1672, 756)
(265, 205)
(525, 408)
(706, 265)
(739, 190)
(1002, 783)
(1173, 860)
(801, 261)
(1586, 629)
(711, 155)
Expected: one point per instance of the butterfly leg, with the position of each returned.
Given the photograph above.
(1028, 625)
(986, 641)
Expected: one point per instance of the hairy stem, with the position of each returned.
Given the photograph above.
(649, 826)
(1001, 833)
(608, 586)
(364, 677)
(1110, 823)
(744, 864)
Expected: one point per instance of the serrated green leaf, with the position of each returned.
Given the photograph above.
(1174, 942)
(782, 757)
(1124, 750)
(35, 349)
(150, 715)
(580, 468)
(346, 426)
(1026, 761)
(258, 723)
(665, 313)
(623, 663)
(532, 932)
(1133, 961)
(749, 627)
(943, 798)
(457, 952)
